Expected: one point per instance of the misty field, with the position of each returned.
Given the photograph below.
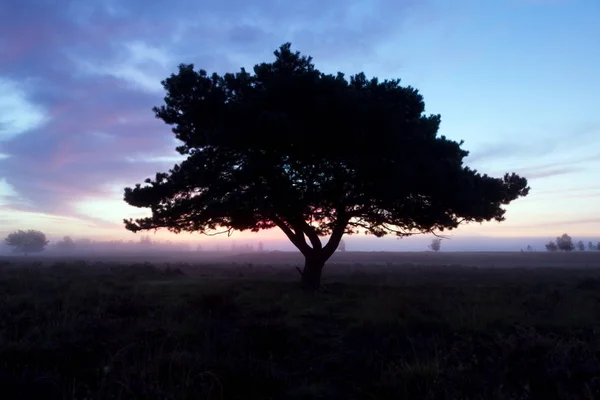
(384, 326)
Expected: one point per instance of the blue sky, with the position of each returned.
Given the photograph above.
(516, 79)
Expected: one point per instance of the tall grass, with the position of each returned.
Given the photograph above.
(104, 331)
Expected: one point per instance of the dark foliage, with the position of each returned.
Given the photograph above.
(436, 244)
(26, 242)
(313, 154)
(551, 246)
(565, 243)
(66, 244)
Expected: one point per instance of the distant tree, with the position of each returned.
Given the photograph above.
(551, 246)
(261, 246)
(436, 244)
(314, 154)
(31, 241)
(580, 246)
(565, 243)
(591, 246)
(342, 246)
(146, 240)
(598, 246)
(529, 248)
(66, 244)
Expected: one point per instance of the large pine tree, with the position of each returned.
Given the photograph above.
(315, 154)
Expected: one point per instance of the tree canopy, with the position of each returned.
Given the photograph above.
(314, 154)
(31, 241)
(565, 243)
(66, 244)
(436, 244)
(551, 246)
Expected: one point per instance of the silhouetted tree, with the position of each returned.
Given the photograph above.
(66, 244)
(529, 248)
(342, 245)
(591, 246)
(580, 246)
(26, 242)
(551, 246)
(260, 246)
(598, 246)
(565, 243)
(315, 154)
(436, 244)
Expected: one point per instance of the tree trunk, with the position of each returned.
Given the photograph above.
(315, 257)
(311, 274)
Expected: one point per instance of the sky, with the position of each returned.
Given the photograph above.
(517, 80)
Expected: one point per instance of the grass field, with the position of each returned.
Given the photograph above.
(385, 326)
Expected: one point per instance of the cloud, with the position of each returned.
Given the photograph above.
(541, 173)
(51, 224)
(577, 190)
(569, 222)
(107, 209)
(19, 114)
(81, 80)
(559, 167)
(8, 194)
(531, 167)
(572, 141)
(507, 150)
(177, 158)
(141, 65)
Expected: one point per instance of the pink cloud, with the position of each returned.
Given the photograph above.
(558, 223)
(25, 39)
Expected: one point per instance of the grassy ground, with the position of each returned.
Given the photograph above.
(102, 331)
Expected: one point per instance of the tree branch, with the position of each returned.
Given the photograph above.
(228, 231)
(336, 235)
(297, 240)
(359, 223)
(439, 236)
(311, 234)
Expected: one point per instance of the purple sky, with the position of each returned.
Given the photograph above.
(516, 79)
